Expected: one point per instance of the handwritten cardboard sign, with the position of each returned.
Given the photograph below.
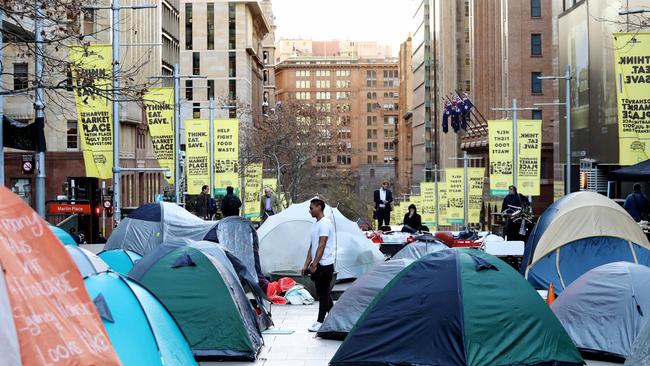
(56, 321)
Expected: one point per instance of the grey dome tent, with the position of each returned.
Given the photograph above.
(203, 293)
(354, 301)
(238, 235)
(605, 309)
(150, 225)
(419, 249)
(640, 349)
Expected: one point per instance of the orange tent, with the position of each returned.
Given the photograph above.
(46, 316)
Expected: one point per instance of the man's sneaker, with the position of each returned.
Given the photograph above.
(315, 327)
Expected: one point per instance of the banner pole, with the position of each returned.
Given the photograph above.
(117, 196)
(466, 189)
(39, 106)
(567, 93)
(515, 143)
(212, 188)
(177, 136)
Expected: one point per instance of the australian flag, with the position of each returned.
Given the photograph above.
(466, 108)
(456, 114)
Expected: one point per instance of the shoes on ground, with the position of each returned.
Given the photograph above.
(315, 327)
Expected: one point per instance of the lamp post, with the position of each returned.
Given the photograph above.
(567, 104)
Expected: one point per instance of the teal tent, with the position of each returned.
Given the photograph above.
(65, 238)
(139, 327)
(458, 307)
(120, 260)
(204, 295)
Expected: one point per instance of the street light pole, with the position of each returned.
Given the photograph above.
(39, 106)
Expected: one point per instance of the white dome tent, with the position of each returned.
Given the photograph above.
(284, 240)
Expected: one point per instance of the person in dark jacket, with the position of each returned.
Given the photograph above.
(202, 202)
(636, 204)
(230, 203)
(518, 200)
(412, 218)
(383, 198)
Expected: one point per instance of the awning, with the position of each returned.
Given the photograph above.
(640, 171)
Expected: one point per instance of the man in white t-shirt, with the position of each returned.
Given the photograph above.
(320, 259)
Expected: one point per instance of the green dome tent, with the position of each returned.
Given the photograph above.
(204, 295)
(458, 307)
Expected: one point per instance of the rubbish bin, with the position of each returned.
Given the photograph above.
(303, 280)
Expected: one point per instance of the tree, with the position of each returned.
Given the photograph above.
(65, 25)
(299, 142)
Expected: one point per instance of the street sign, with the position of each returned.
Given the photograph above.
(108, 204)
(64, 208)
(27, 164)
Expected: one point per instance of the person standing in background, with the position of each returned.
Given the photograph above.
(202, 203)
(636, 204)
(383, 198)
(269, 204)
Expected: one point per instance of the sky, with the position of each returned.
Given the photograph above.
(385, 21)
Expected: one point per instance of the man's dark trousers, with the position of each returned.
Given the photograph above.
(383, 217)
(322, 279)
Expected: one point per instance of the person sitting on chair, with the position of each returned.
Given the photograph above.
(412, 218)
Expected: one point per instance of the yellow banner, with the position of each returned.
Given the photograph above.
(475, 195)
(252, 189)
(197, 146)
(501, 156)
(632, 64)
(442, 206)
(455, 195)
(226, 160)
(159, 107)
(271, 183)
(428, 204)
(529, 158)
(92, 73)
(394, 215)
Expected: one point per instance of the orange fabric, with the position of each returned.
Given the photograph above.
(56, 321)
(446, 237)
(286, 283)
(273, 289)
(550, 298)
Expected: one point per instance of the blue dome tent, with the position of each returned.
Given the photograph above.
(120, 260)
(577, 233)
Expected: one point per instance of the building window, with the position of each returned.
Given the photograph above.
(342, 95)
(537, 115)
(323, 95)
(372, 120)
(232, 64)
(232, 26)
(344, 159)
(189, 95)
(389, 159)
(372, 134)
(372, 146)
(20, 76)
(303, 95)
(210, 89)
(72, 135)
(391, 78)
(196, 110)
(371, 78)
(303, 84)
(536, 44)
(323, 73)
(388, 146)
(232, 89)
(372, 95)
(535, 83)
(390, 120)
(535, 8)
(343, 83)
(302, 73)
(324, 84)
(210, 26)
(188, 26)
(89, 21)
(389, 134)
(372, 159)
(196, 63)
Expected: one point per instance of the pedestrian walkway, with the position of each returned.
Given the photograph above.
(301, 348)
